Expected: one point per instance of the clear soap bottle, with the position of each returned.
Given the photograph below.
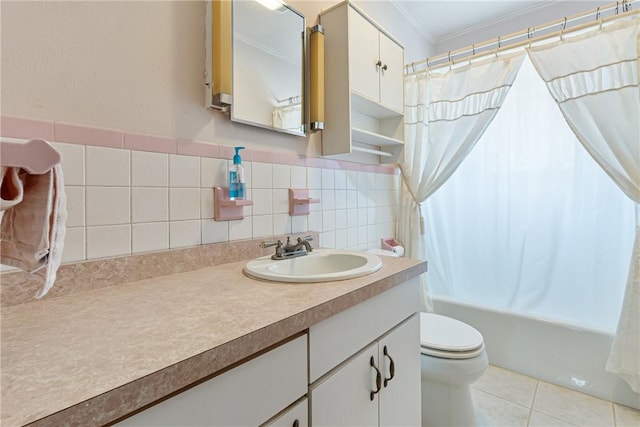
(237, 186)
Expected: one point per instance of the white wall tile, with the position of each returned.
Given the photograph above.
(147, 237)
(328, 199)
(214, 231)
(315, 221)
(281, 224)
(372, 233)
(75, 206)
(372, 216)
(184, 233)
(184, 171)
(240, 229)
(262, 204)
(328, 220)
(352, 180)
(73, 162)
(149, 204)
(298, 177)
(261, 175)
(328, 239)
(362, 216)
(341, 199)
(363, 235)
(352, 237)
(352, 199)
(108, 205)
(362, 181)
(206, 203)
(74, 245)
(281, 176)
(184, 204)
(328, 179)
(341, 179)
(371, 180)
(214, 173)
(352, 218)
(108, 166)
(262, 225)
(299, 224)
(314, 178)
(363, 202)
(341, 240)
(108, 241)
(341, 219)
(149, 169)
(280, 201)
(315, 194)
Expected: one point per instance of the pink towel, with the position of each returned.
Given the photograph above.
(32, 228)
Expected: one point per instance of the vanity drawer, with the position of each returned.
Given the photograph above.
(335, 339)
(249, 394)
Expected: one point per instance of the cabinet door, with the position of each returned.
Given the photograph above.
(344, 398)
(391, 78)
(400, 397)
(364, 53)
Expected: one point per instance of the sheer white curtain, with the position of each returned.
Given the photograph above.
(445, 115)
(594, 79)
(529, 222)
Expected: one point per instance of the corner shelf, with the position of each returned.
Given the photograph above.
(299, 201)
(225, 209)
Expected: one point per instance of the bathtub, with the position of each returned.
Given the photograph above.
(549, 350)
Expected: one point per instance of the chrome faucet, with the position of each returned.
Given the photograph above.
(290, 250)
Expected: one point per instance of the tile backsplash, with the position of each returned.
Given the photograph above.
(123, 200)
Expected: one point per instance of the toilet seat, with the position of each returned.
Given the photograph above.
(448, 338)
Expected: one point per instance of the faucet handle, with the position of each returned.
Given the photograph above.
(269, 244)
(307, 238)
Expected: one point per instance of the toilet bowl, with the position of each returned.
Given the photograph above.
(452, 358)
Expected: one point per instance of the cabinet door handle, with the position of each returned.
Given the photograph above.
(392, 366)
(384, 67)
(296, 423)
(378, 64)
(378, 378)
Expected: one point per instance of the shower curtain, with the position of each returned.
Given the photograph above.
(445, 115)
(594, 79)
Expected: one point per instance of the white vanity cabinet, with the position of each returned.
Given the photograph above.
(351, 357)
(247, 395)
(364, 88)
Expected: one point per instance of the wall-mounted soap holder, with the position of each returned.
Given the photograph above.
(299, 201)
(225, 209)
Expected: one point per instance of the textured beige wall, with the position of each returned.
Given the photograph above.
(135, 66)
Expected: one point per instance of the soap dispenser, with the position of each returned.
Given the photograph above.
(237, 186)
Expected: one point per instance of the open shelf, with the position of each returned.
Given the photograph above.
(225, 209)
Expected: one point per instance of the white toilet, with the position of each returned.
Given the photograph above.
(452, 358)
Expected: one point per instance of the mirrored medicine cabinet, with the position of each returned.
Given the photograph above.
(266, 52)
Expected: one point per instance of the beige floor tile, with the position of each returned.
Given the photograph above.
(492, 411)
(538, 419)
(625, 416)
(572, 406)
(508, 385)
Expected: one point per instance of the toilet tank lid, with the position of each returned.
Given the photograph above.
(448, 334)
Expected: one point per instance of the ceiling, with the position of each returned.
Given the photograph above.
(441, 20)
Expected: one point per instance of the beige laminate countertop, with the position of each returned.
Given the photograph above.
(92, 357)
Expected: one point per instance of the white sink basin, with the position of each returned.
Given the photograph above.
(321, 265)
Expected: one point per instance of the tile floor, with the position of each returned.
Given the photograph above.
(505, 398)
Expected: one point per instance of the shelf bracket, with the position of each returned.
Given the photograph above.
(299, 201)
(225, 209)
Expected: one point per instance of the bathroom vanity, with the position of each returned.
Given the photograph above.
(215, 347)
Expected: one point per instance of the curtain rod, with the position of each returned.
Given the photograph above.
(495, 45)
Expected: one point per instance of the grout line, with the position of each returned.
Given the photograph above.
(533, 401)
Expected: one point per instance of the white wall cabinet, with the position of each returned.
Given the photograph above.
(362, 388)
(364, 74)
(248, 395)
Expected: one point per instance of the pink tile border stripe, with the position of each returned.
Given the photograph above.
(25, 128)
